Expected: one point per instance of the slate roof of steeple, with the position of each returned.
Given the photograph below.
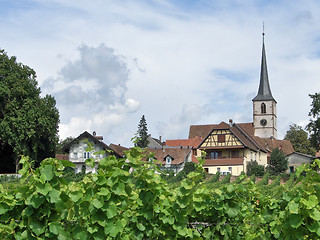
(264, 92)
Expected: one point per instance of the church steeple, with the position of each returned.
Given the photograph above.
(264, 92)
(264, 105)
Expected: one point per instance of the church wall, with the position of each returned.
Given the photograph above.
(270, 129)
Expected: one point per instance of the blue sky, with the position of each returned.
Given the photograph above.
(107, 63)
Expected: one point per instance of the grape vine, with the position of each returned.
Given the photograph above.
(128, 199)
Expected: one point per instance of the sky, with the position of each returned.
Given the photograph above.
(178, 62)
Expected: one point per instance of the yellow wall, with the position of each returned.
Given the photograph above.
(236, 169)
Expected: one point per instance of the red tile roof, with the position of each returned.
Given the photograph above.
(271, 143)
(118, 149)
(62, 156)
(194, 142)
(179, 155)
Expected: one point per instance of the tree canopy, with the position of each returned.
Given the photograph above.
(28, 122)
(299, 140)
(314, 125)
(142, 133)
(62, 143)
(278, 162)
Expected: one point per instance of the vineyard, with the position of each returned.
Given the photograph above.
(127, 199)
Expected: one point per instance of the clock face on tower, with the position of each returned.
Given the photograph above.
(263, 122)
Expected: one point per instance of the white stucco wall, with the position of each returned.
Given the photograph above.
(77, 155)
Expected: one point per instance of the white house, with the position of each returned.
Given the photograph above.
(79, 151)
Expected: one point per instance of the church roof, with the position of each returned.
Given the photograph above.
(264, 92)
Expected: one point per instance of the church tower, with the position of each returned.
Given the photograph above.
(264, 105)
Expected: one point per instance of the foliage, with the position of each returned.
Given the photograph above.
(314, 125)
(142, 134)
(189, 167)
(278, 162)
(62, 143)
(253, 168)
(28, 122)
(299, 140)
(118, 203)
(265, 179)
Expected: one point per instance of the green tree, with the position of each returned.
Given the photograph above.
(253, 168)
(314, 125)
(28, 122)
(63, 143)
(299, 140)
(278, 162)
(142, 133)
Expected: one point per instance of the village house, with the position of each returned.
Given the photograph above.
(86, 146)
(170, 159)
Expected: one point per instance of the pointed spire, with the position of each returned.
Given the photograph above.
(264, 92)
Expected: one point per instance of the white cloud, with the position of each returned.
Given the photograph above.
(177, 62)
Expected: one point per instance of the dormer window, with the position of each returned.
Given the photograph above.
(263, 108)
(168, 160)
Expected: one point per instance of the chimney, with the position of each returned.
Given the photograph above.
(160, 138)
(230, 122)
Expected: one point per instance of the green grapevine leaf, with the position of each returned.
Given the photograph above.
(96, 203)
(315, 214)
(293, 207)
(47, 173)
(295, 220)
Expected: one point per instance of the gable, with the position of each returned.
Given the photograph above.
(221, 138)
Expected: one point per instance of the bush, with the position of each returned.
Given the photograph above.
(215, 178)
(253, 167)
(253, 178)
(264, 180)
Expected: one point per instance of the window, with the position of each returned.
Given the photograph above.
(251, 156)
(214, 155)
(74, 155)
(168, 160)
(218, 169)
(235, 154)
(86, 155)
(206, 170)
(230, 169)
(263, 108)
(221, 138)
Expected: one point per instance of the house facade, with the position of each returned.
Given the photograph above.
(228, 148)
(86, 146)
(295, 159)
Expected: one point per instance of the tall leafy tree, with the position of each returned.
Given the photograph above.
(142, 133)
(28, 122)
(62, 143)
(314, 125)
(299, 140)
(278, 162)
